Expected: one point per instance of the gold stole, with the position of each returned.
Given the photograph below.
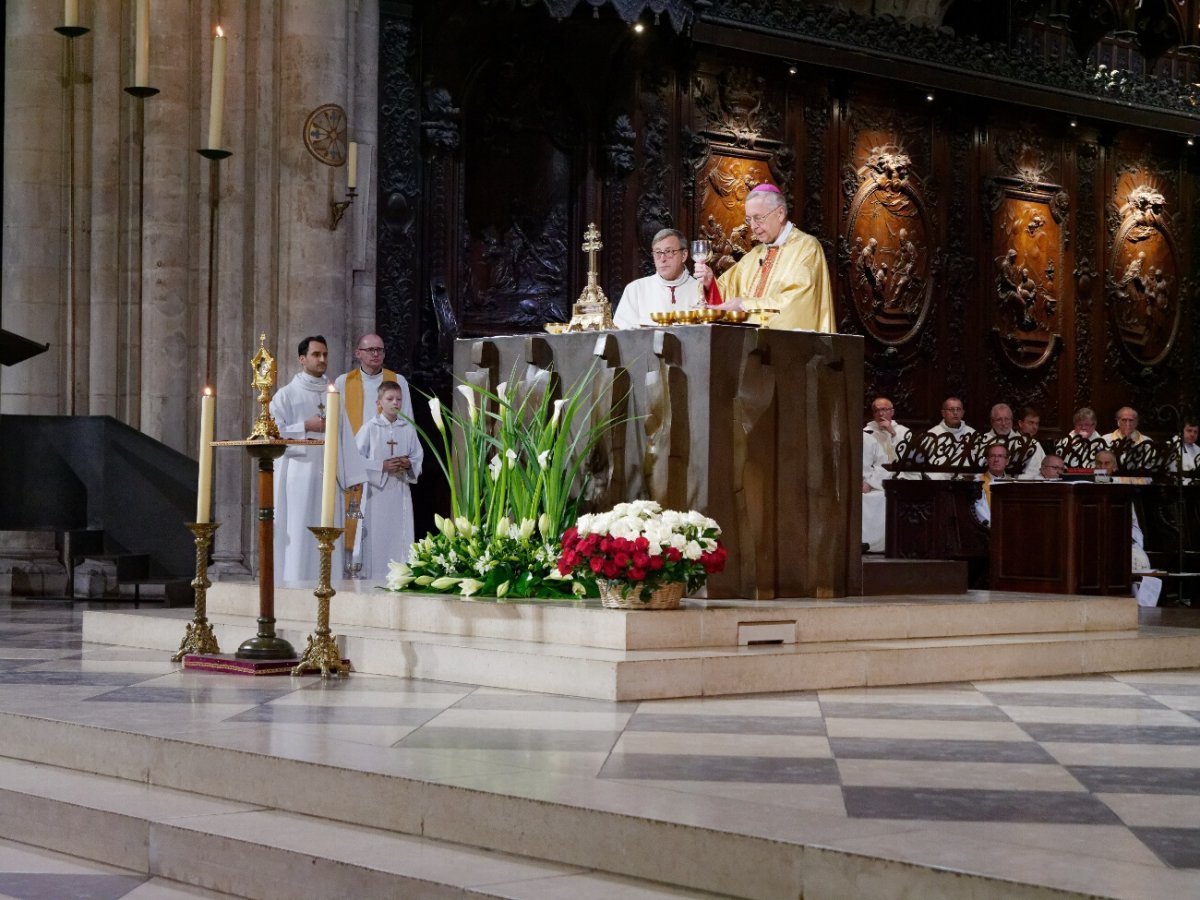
(354, 396)
(765, 272)
(987, 488)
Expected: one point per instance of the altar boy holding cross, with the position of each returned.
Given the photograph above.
(392, 455)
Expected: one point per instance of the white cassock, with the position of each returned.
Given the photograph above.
(370, 397)
(1190, 454)
(298, 479)
(959, 433)
(1149, 587)
(879, 448)
(654, 294)
(386, 532)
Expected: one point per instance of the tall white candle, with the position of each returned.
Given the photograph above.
(333, 418)
(70, 13)
(216, 109)
(204, 488)
(352, 166)
(141, 58)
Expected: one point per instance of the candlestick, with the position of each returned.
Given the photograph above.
(204, 488)
(322, 649)
(352, 166)
(70, 13)
(141, 59)
(333, 413)
(216, 108)
(199, 637)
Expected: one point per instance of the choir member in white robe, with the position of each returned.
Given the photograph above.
(881, 438)
(298, 409)
(952, 424)
(670, 287)
(392, 455)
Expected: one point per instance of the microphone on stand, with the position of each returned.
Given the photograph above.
(760, 263)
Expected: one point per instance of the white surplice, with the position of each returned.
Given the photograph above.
(386, 532)
(654, 294)
(879, 448)
(298, 479)
(370, 393)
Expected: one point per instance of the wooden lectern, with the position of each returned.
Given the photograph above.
(759, 429)
(1062, 537)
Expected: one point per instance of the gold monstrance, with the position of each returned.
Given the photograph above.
(592, 311)
(263, 366)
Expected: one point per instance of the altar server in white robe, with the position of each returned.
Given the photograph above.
(881, 438)
(299, 411)
(392, 455)
(671, 287)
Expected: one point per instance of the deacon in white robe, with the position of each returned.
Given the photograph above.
(386, 532)
(360, 386)
(671, 286)
(296, 407)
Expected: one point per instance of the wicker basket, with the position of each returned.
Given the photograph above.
(623, 595)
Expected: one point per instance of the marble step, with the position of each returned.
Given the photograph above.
(699, 624)
(604, 674)
(247, 850)
(290, 823)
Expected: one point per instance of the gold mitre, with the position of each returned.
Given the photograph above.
(592, 311)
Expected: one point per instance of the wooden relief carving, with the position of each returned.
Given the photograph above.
(1028, 246)
(724, 182)
(889, 240)
(1143, 282)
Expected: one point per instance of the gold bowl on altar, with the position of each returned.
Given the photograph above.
(555, 327)
(709, 315)
(663, 317)
(688, 316)
(736, 316)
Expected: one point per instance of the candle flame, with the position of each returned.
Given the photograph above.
(220, 31)
(208, 391)
(332, 389)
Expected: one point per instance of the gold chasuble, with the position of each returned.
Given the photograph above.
(792, 278)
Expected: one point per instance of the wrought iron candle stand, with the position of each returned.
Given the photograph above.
(199, 637)
(322, 650)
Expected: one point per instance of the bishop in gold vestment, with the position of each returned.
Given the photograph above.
(786, 270)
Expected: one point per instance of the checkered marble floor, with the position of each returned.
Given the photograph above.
(1101, 767)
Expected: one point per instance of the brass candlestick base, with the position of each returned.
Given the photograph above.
(322, 650)
(199, 637)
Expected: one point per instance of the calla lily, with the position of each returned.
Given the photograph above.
(502, 391)
(445, 582)
(511, 455)
(544, 459)
(558, 405)
(527, 526)
(435, 410)
(467, 586)
(494, 467)
(469, 395)
(503, 526)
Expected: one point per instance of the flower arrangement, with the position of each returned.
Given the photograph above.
(643, 547)
(514, 461)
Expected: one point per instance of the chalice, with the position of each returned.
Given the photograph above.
(700, 253)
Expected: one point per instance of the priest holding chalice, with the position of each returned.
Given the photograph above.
(784, 271)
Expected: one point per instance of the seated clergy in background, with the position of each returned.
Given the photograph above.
(670, 287)
(1051, 469)
(881, 437)
(952, 424)
(1126, 430)
(1185, 452)
(1079, 447)
(1030, 423)
(997, 462)
(1002, 430)
(785, 270)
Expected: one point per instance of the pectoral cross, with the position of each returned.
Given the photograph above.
(391, 448)
(321, 409)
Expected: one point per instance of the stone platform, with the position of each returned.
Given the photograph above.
(705, 649)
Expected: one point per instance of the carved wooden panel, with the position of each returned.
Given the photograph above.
(723, 183)
(890, 241)
(1143, 282)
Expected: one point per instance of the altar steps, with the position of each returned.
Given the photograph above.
(614, 655)
(883, 576)
(251, 850)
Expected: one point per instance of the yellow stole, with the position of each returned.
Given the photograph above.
(354, 396)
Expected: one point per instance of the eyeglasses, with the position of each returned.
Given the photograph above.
(885, 409)
(370, 349)
(952, 409)
(666, 254)
(758, 220)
